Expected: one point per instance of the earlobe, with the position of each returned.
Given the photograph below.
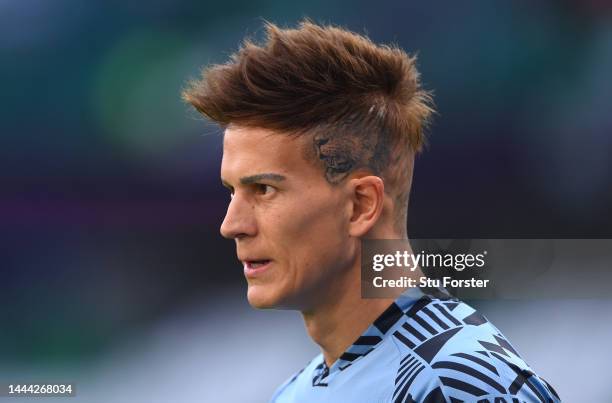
(368, 195)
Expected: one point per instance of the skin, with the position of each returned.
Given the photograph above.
(283, 210)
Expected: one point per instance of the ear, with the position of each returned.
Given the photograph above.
(367, 197)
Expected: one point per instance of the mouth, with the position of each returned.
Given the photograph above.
(254, 268)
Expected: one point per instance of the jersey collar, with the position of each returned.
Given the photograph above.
(369, 340)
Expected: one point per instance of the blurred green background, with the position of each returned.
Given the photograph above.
(113, 272)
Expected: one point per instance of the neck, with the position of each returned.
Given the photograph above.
(339, 320)
(340, 317)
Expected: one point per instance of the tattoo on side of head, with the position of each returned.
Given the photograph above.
(337, 156)
(342, 153)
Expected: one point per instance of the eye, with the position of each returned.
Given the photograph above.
(230, 190)
(263, 189)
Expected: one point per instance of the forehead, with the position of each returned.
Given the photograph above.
(249, 151)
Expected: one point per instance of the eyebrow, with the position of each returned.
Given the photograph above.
(248, 180)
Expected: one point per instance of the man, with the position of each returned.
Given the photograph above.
(321, 130)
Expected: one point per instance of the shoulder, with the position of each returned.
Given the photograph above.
(450, 352)
(286, 390)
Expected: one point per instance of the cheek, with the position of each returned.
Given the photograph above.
(313, 240)
(310, 223)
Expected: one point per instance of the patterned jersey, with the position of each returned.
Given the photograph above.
(422, 349)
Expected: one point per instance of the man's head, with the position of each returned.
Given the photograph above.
(322, 127)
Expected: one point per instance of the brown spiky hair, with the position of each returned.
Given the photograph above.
(361, 103)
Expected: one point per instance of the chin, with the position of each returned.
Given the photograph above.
(262, 297)
(266, 297)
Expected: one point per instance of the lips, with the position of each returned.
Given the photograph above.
(255, 267)
(257, 263)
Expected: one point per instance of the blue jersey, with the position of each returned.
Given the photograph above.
(422, 349)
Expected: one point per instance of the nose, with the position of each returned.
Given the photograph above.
(239, 221)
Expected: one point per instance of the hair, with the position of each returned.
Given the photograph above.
(361, 103)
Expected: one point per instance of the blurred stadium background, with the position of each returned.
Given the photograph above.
(113, 274)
